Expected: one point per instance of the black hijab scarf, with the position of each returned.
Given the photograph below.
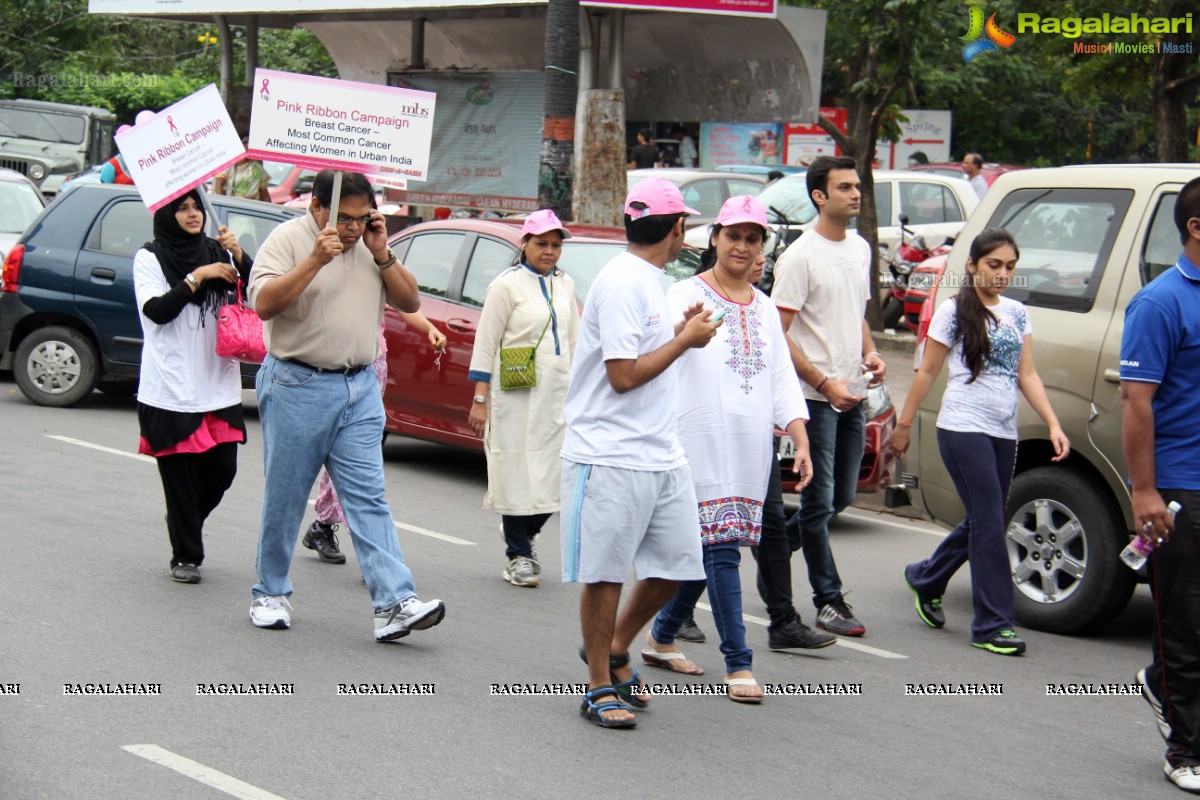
(179, 252)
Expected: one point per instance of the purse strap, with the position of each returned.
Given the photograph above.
(546, 327)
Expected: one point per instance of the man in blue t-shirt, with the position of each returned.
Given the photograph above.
(1160, 358)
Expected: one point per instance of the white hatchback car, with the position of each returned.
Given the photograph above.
(936, 206)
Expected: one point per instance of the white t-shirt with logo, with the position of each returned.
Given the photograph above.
(989, 403)
(827, 285)
(624, 316)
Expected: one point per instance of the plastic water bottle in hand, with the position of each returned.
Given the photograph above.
(858, 386)
(1137, 551)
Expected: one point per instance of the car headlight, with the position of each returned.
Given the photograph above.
(37, 171)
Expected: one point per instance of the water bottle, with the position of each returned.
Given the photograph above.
(858, 386)
(1138, 550)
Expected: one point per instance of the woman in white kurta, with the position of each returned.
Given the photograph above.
(533, 303)
(732, 393)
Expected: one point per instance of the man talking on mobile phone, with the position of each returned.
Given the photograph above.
(320, 284)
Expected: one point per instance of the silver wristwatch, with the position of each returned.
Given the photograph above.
(190, 278)
(480, 398)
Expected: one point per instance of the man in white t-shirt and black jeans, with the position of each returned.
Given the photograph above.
(627, 493)
(822, 285)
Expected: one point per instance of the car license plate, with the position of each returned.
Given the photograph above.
(787, 448)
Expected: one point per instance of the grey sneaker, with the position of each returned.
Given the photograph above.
(836, 617)
(321, 537)
(268, 611)
(520, 572)
(185, 573)
(411, 615)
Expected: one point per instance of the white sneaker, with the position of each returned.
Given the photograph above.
(1186, 778)
(411, 615)
(1164, 728)
(269, 611)
(533, 559)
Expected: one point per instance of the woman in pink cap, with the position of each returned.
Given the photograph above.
(732, 394)
(531, 304)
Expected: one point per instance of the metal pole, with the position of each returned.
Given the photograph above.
(226, 41)
(416, 58)
(587, 52)
(616, 48)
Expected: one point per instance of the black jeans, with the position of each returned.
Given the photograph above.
(774, 554)
(1174, 672)
(519, 531)
(194, 484)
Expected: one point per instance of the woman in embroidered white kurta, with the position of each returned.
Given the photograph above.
(732, 393)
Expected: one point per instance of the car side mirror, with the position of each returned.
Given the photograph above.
(303, 185)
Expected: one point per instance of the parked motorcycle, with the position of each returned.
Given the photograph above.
(906, 290)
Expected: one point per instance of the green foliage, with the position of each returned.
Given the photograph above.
(54, 50)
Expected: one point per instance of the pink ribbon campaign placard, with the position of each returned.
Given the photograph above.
(179, 148)
(323, 123)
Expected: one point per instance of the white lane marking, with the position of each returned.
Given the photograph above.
(198, 772)
(445, 537)
(882, 519)
(875, 651)
(101, 448)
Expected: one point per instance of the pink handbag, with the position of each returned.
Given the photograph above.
(240, 332)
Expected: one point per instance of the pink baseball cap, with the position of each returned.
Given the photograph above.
(543, 221)
(743, 208)
(660, 197)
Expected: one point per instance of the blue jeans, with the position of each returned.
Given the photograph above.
(314, 419)
(836, 442)
(981, 467)
(724, 592)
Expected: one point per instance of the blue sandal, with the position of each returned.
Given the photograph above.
(593, 712)
(628, 690)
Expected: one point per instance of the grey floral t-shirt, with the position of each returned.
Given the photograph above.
(989, 404)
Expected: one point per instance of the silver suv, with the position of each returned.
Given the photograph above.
(1090, 237)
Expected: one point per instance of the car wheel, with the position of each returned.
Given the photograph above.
(55, 366)
(1064, 538)
(893, 311)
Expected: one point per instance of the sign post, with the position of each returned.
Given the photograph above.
(323, 123)
(180, 148)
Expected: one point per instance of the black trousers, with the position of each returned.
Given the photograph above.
(519, 531)
(1174, 673)
(194, 484)
(774, 554)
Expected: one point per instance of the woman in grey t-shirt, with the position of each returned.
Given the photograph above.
(983, 335)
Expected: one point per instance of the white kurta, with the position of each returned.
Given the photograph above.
(525, 427)
(732, 393)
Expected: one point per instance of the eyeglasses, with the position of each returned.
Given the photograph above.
(362, 222)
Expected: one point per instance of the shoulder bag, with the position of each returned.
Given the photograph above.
(518, 369)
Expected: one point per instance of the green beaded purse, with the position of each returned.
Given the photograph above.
(518, 367)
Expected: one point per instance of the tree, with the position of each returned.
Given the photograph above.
(558, 127)
(871, 50)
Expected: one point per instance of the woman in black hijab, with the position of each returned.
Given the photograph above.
(189, 398)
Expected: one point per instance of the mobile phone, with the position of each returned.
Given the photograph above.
(717, 317)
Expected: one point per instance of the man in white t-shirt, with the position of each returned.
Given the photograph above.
(822, 283)
(627, 493)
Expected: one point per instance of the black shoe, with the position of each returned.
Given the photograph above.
(795, 635)
(321, 537)
(185, 573)
(689, 632)
(929, 609)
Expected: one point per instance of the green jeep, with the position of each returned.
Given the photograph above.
(50, 142)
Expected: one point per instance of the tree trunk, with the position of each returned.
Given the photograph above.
(1174, 80)
(555, 173)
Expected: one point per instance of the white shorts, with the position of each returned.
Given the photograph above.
(617, 518)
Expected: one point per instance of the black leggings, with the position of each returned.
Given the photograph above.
(194, 484)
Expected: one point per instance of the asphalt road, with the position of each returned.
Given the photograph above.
(87, 600)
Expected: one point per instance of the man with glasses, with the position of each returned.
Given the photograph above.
(321, 289)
